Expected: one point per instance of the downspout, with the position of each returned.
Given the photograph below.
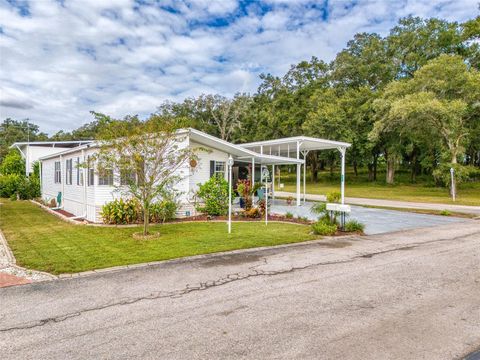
(85, 174)
(40, 170)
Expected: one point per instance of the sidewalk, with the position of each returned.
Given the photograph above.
(392, 203)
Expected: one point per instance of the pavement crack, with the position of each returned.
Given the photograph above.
(253, 271)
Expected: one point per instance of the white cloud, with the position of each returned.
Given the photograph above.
(60, 60)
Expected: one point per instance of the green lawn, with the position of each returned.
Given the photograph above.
(422, 191)
(41, 241)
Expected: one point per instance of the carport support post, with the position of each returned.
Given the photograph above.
(253, 180)
(342, 176)
(305, 153)
(230, 164)
(298, 174)
(273, 183)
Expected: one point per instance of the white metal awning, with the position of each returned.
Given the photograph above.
(287, 147)
(238, 152)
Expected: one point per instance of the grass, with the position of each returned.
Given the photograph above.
(422, 191)
(425, 211)
(41, 241)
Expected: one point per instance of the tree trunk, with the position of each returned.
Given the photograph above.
(355, 170)
(390, 169)
(314, 166)
(453, 181)
(370, 171)
(413, 170)
(322, 165)
(146, 216)
(375, 163)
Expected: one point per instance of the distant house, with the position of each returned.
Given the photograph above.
(84, 191)
(33, 151)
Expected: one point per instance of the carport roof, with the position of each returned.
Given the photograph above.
(239, 152)
(289, 144)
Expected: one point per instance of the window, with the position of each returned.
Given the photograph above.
(90, 172)
(105, 177)
(79, 172)
(68, 172)
(127, 177)
(219, 168)
(58, 173)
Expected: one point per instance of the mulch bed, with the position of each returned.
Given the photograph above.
(272, 217)
(64, 213)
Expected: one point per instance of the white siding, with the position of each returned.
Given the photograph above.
(201, 173)
(98, 195)
(49, 188)
(33, 153)
(73, 195)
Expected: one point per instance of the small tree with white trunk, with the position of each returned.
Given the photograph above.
(148, 156)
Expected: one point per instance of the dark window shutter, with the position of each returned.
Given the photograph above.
(212, 167)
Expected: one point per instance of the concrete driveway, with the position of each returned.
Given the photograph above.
(376, 221)
(407, 295)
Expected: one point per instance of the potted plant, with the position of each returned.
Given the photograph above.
(246, 191)
(241, 192)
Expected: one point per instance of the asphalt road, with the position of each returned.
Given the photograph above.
(408, 295)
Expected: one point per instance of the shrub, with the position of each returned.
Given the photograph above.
(319, 209)
(261, 206)
(29, 188)
(322, 228)
(13, 185)
(354, 226)
(462, 174)
(246, 191)
(253, 213)
(163, 211)
(333, 197)
(9, 184)
(214, 194)
(121, 211)
(289, 215)
(445, 213)
(12, 164)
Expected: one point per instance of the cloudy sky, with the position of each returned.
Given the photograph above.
(59, 59)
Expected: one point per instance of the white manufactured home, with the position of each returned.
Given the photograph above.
(83, 191)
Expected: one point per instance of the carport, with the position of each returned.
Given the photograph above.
(298, 147)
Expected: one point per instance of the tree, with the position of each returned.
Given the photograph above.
(12, 131)
(440, 100)
(365, 62)
(148, 155)
(415, 41)
(13, 163)
(327, 119)
(221, 115)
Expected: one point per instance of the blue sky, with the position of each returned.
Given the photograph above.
(59, 59)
